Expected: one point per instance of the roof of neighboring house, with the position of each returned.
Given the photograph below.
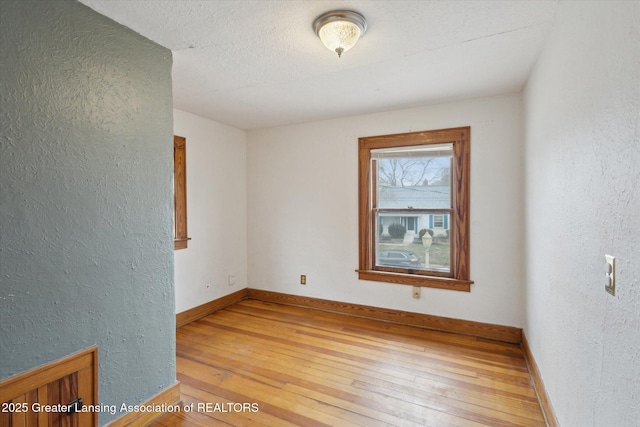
(428, 196)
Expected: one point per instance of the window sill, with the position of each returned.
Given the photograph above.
(180, 243)
(415, 280)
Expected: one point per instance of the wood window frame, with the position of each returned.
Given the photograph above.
(459, 219)
(180, 238)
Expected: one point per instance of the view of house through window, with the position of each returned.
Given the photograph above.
(414, 208)
(414, 205)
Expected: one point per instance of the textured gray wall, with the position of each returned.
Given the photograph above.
(86, 245)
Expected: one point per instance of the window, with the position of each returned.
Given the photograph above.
(409, 183)
(180, 238)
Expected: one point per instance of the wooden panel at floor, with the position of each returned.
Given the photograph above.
(47, 396)
(264, 364)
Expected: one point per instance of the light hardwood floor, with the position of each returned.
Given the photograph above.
(302, 367)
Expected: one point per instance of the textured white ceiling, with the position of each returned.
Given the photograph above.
(255, 64)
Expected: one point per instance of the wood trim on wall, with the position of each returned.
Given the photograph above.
(168, 397)
(538, 385)
(416, 280)
(180, 192)
(83, 363)
(205, 309)
(508, 334)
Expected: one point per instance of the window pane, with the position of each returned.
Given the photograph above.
(397, 246)
(414, 177)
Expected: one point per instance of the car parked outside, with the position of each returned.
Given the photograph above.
(399, 258)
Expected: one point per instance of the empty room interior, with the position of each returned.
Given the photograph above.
(220, 213)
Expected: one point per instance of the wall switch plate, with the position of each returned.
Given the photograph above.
(416, 292)
(303, 279)
(610, 284)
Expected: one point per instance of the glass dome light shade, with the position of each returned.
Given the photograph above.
(340, 30)
(339, 36)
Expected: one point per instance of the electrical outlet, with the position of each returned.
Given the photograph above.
(610, 271)
(416, 292)
(303, 279)
(231, 279)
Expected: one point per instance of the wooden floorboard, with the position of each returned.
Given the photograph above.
(263, 364)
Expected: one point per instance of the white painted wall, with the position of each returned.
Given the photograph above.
(303, 214)
(216, 211)
(583, 201)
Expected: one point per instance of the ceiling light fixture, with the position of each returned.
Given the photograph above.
(339, 30)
